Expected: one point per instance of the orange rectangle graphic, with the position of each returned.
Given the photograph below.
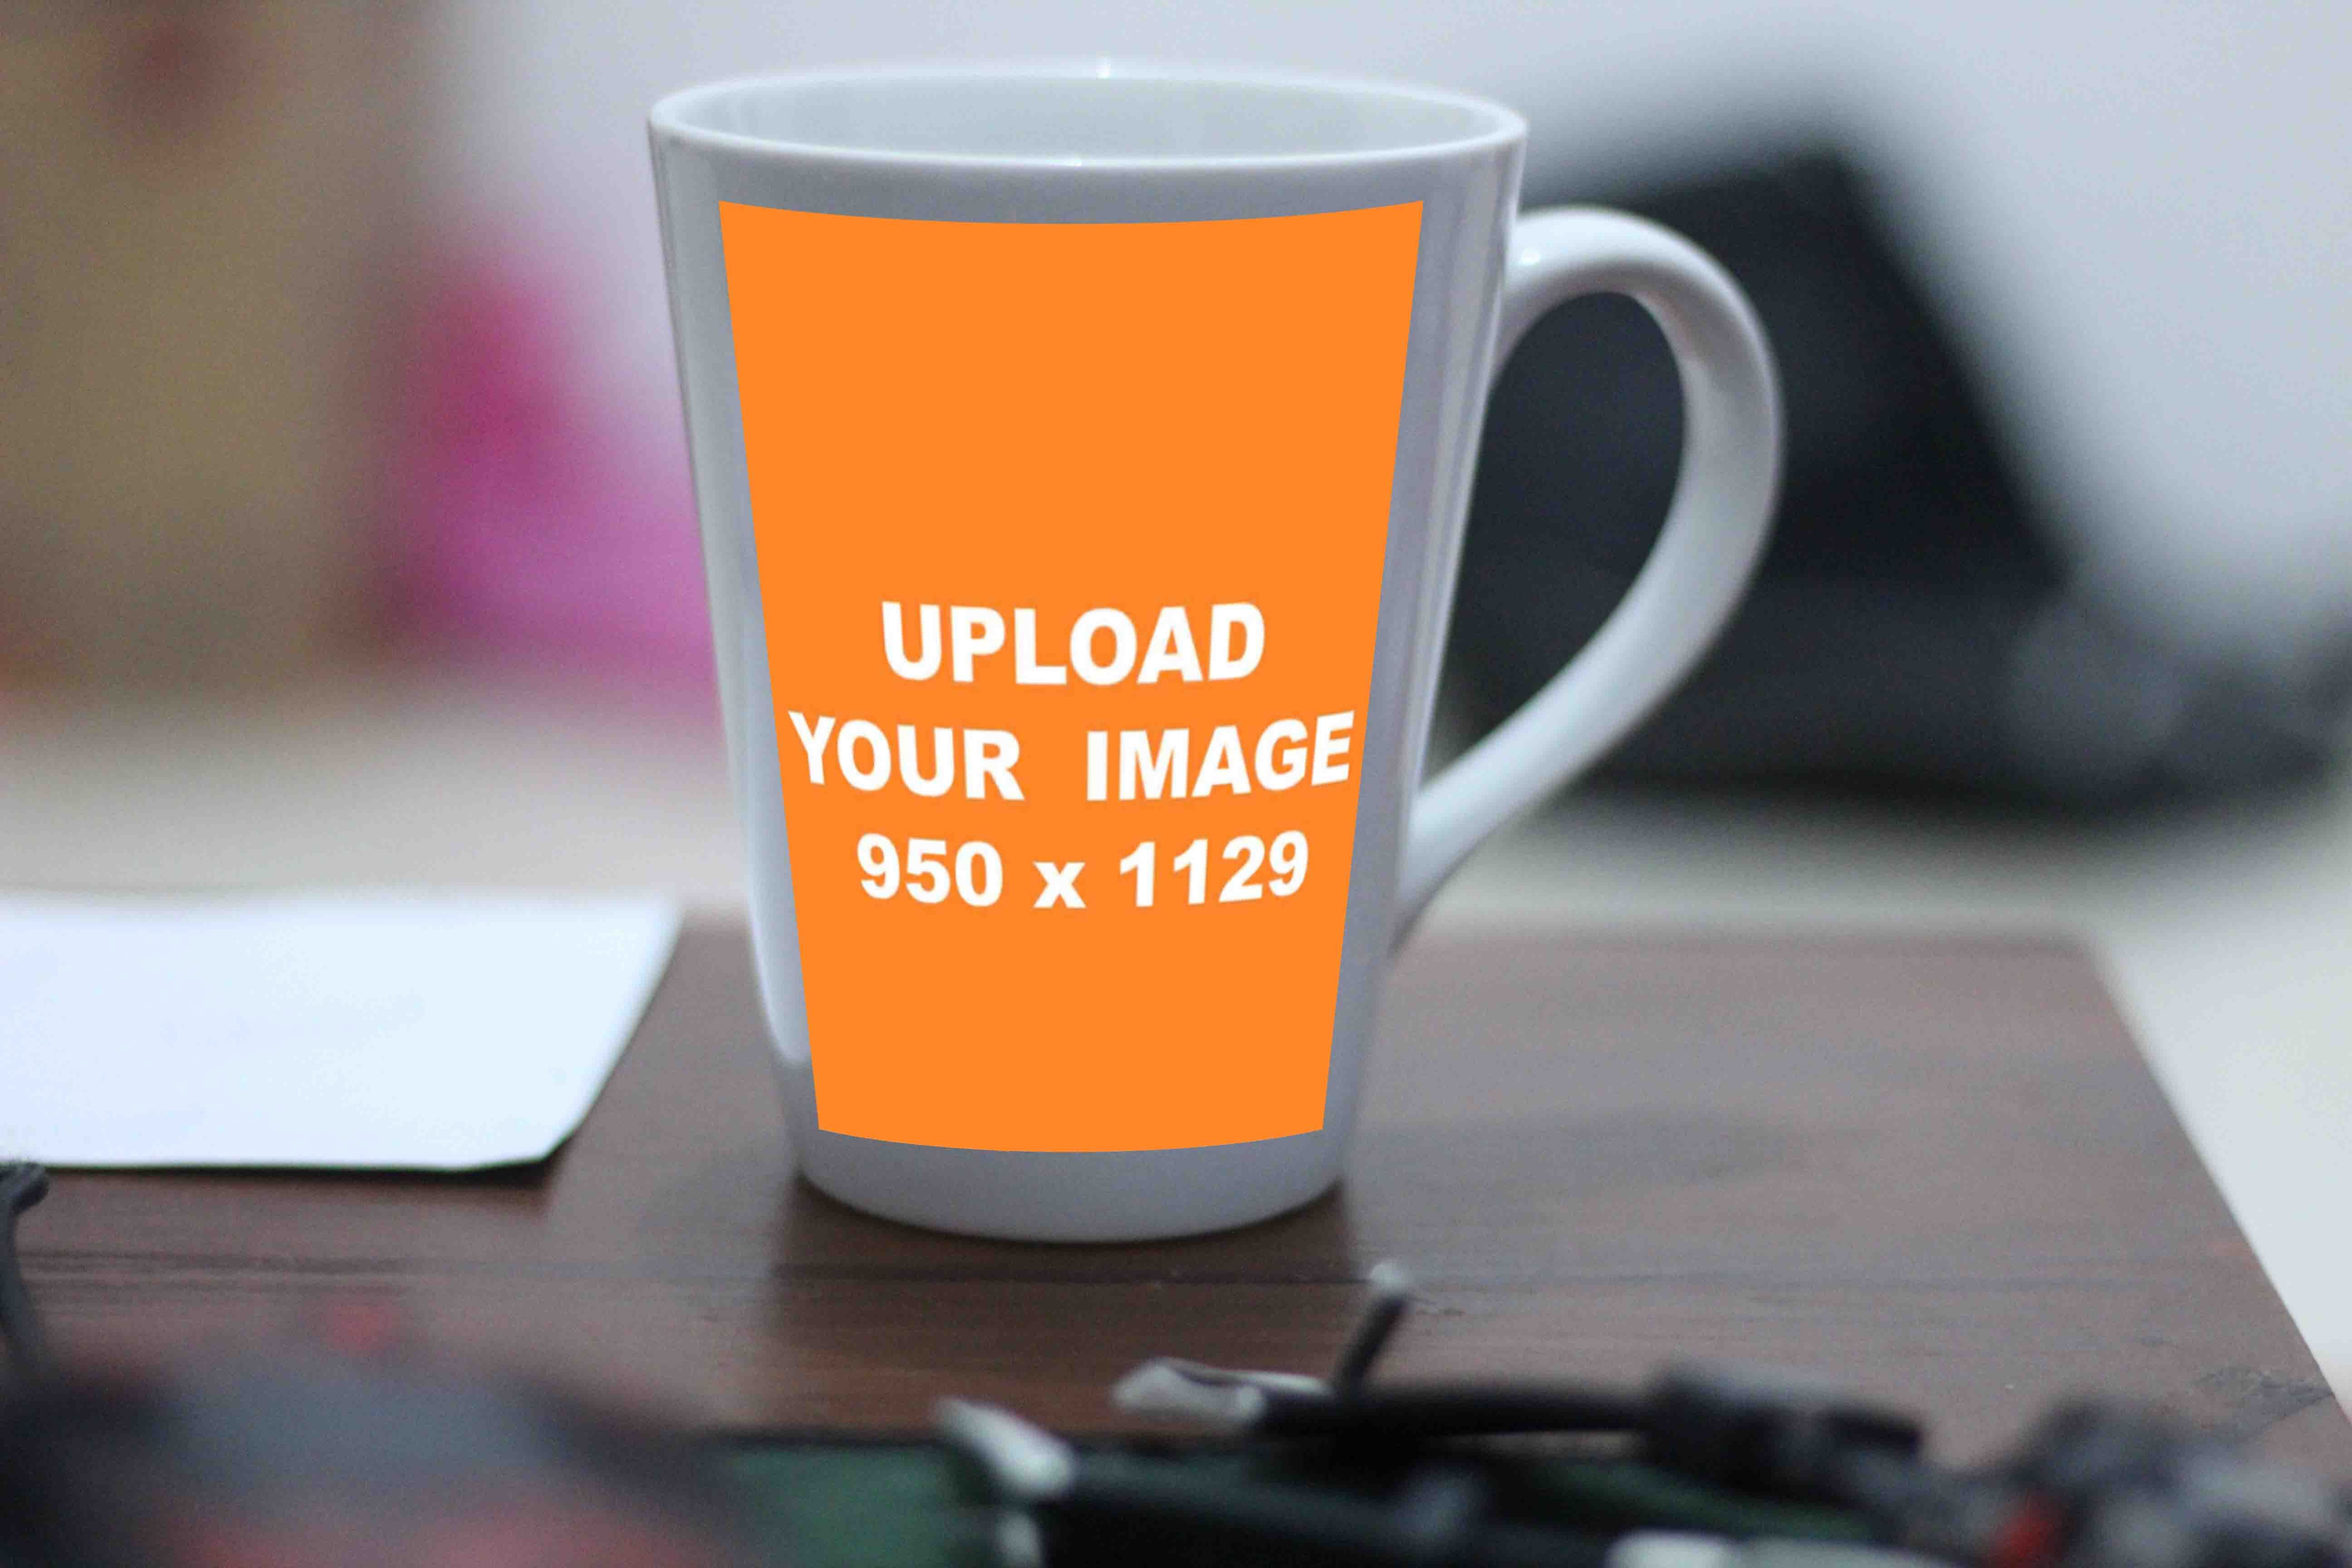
(1070, 543)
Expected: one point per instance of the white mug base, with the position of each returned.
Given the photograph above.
(1018, 1195)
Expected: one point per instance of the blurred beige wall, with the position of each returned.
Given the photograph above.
(202, 215)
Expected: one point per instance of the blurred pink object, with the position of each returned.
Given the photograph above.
(541, 521)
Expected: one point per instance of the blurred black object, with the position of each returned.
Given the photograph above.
(344, 1454)
(1714, 1466)
(1912, 623)
(22, 1186)
(303, 1456)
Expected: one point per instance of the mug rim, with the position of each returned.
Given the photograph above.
(683, 116)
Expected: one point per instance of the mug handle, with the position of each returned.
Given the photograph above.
(1696, 573)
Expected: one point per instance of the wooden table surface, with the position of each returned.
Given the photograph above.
(1935, 1168)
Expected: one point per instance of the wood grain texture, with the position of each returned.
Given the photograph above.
(1935, 1168)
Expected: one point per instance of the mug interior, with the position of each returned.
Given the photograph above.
(1077, 114)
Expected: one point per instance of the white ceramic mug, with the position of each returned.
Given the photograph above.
(1083, 453)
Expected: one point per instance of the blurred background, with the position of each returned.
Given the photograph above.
(345, 534)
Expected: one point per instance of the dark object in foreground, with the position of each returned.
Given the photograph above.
(361, 1457)
(1769, 1466)
(300, 1457)
(348, 1453)
(1913, 622)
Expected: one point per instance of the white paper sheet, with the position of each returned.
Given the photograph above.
(409, 1031)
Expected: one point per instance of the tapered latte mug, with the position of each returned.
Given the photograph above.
(1082, 454)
